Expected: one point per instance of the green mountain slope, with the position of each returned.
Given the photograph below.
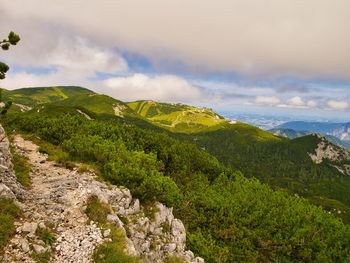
(178, 117)
(282, 163)
(68, 99)
(277, 161)
(228, 217)
(34, 96)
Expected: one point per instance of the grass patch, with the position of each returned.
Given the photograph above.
(8, 213)
(42, 257)
(96, 210)
(46, 235)
(113, 252)
(172, 259)
(21, 167)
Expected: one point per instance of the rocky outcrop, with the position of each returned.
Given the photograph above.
(58, 198)
(9, 187)
(335, 155)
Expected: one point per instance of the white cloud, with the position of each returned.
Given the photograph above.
(162, 88)
(338, 104)
(267, 100)
(311, 104)
(296, 102)
(79, 55)
(73, 62)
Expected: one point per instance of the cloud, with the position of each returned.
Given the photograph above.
(250, 37)
(311, 104)
(296, 102)
(338, 104)
(162, 88)
(72, 61)
(267, 100)
(79, 55)
(288, 88)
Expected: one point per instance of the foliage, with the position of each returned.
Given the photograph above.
(8, 213)
(279, 162)
(21, 167)
(113, 252)
(229, 218)
(5, 44)
(41, 257)
(46, 235)
(173, 260)
(96, 210)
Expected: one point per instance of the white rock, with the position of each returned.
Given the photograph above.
(6, 192)
(24, 245)
(29, 227)
(106, 233)
(39, 249)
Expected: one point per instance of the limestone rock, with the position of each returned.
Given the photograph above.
(39, 249)
(24, 245)
(6, 192)
(29, 227)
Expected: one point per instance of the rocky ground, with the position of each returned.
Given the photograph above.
(57, 200)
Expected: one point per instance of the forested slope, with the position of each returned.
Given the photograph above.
(228, 218)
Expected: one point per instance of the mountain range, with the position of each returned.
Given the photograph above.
(206, 160)
(339, 130)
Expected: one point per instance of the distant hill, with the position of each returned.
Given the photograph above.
(292, 134)
(178, 117)
(40, 95)
(339, 130)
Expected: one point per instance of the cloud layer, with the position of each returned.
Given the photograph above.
(274, 37)
(162, 88)
(278, 54)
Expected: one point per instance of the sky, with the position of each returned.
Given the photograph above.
(286, 57)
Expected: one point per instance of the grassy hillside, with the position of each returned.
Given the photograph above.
(178, 117)
(35, 96)
(99, 104)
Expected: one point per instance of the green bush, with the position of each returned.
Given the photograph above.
(113, 252)
(96, 210)
(21, 168)
(8, 213)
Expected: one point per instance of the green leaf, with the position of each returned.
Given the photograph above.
(5, 46)
(13, 38)
(3, 67)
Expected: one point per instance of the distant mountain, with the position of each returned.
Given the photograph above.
(178, 117)
(339, 130)
(292, 134)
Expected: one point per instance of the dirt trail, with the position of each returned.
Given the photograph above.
(57, 197)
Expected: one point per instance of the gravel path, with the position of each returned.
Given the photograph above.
(57, 197)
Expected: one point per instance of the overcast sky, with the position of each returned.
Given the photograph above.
(289, 56)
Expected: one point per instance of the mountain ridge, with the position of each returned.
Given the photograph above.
(228, 217)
